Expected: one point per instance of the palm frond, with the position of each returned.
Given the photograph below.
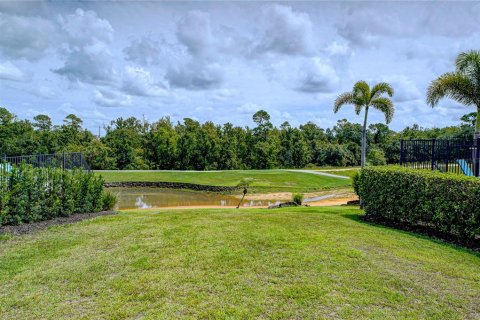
(381, 88)
(468, 64)
(385, 105)
(453, 85)
(361, 91)
(358, 107)
(343, 99)
(466, 60)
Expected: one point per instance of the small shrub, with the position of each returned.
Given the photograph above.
(109, 200)
(376, 157)
(311, 166)
(298, 198)
(446, 203)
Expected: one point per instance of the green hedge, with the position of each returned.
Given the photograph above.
(30, 194)
(446, 203)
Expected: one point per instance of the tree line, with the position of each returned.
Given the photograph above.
(130, 143)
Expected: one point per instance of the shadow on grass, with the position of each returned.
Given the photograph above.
(420, 233)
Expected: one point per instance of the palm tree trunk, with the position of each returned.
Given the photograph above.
(364, 139)
(241, 200)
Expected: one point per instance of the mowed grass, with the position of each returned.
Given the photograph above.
(300, 263)
(263, 180)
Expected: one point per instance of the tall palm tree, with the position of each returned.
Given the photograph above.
(462, 85)
(362, 97)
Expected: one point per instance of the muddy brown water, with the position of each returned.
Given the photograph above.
(149, 198)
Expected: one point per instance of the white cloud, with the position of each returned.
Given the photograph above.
(87, 57)
(85, 27)
(9, 71)
(92, 64)
(317, 75)
(405, 89)
(309, 75)
(286, 31)
(194, 31)
(144, 51)
(196, 75)
(336, 48)
(370, 24)
(25, 37)
(139, 82)
(106, 98)
(223, 94)
(249, 108)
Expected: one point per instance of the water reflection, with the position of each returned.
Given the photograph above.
(146, 198)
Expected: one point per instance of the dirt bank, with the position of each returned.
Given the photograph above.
(169, 185)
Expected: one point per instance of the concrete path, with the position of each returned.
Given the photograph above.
(320, 173)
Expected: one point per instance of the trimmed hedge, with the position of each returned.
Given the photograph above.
(30, 194)
(446, 203)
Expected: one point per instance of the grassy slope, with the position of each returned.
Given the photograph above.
(287, 263)
(264, 180)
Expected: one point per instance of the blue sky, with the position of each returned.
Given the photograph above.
(222, 61)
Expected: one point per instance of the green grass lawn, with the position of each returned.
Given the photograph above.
(302, 263)
(264, 180)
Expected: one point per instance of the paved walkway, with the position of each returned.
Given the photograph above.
(321, 173)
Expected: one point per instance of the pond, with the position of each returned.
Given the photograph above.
(147, 198)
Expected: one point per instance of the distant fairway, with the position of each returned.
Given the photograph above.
(263, 180)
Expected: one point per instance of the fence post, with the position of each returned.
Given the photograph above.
(447, 155)
(63, 161)
(433, 154)
(401, 152)
(477, 159)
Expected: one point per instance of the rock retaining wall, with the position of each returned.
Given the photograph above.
(169, 185)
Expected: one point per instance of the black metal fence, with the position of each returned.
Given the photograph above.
(458, 156)
(66, 161)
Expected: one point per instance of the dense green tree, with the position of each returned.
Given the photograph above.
(161, 145)
(134, 144)
(294, 150)
(124, 139)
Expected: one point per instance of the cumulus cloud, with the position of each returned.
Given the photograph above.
(309, 75)
(9, 71)
(25, 37)
(139, 82)
(143, 51)
(87, 57)
(194, 31)
(405, 89)
(249, 108)
(316, 75)
(286, 32)
(107, 98)
(85, 27)
(196, 76)
(336, 48)
(91, 63)
(363, 25)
